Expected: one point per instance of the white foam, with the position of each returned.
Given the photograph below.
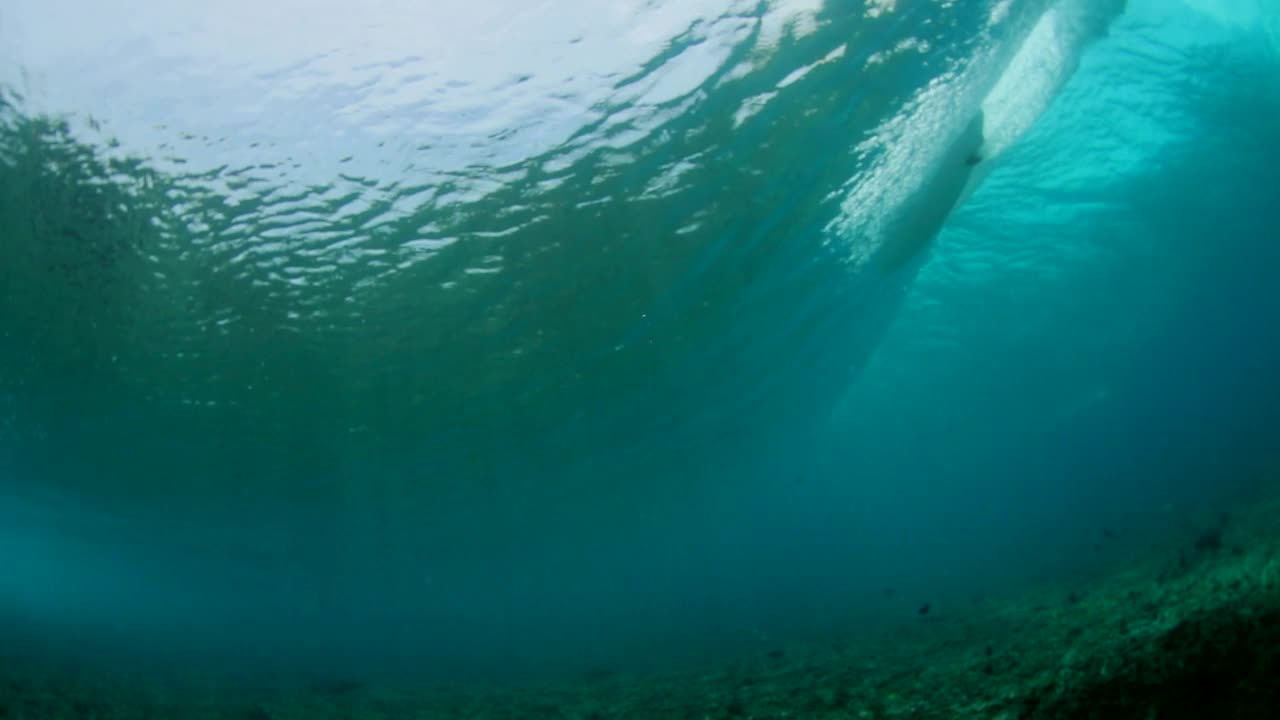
(1041, 67)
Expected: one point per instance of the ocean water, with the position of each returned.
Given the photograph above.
(498, 339)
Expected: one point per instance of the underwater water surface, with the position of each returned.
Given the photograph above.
(497, 339)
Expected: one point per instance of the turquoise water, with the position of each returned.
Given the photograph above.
(496, 339)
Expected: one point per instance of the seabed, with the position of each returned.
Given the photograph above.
(1188, 630)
